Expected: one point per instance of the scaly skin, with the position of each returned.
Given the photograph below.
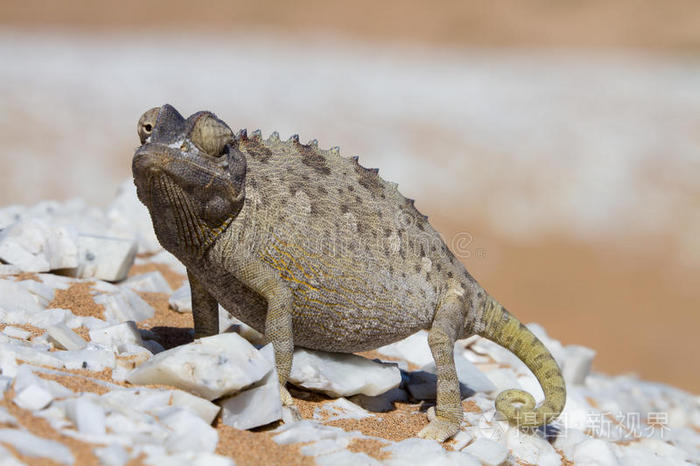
(313, 250)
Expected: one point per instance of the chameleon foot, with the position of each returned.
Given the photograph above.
(439, 429)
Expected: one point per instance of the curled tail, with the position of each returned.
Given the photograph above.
(499, 326)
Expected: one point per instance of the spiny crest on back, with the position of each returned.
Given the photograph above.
(322, 162)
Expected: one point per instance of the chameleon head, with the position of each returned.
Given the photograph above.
(189, 173)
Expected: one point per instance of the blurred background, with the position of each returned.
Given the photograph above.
(555, 144)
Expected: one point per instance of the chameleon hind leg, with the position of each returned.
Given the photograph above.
(447, 416)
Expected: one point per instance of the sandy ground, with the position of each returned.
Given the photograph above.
(570, 173)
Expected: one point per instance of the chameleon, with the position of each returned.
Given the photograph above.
(314, 250)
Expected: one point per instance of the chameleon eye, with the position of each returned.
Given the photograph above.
(146, 124)
(211, 135)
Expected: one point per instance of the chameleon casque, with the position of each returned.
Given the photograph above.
(314, 250)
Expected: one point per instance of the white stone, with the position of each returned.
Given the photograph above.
(531, 449)
(104, 258)
(503, 379)
(9, 269)
(420, 451)
(152, 282)
(205, 409)
(37, 246)
(124, 306)
(490, 453)
(340, 409)
(210, 367)
(64, 338)
(594, 452)
(16, 332)
(307, 431)
(115, 335)
(256, 406)
(339, 374)
(91, 357)
(413, 349)
(129, 218)
(325, 446)
(9, 353)
(33, 397)
(188, 432)
(14, 297)
(6, 418)
(25, 378)
(228, 323)
(31, 445)
(462, 439)
(87, 415)
(112, 455)
(577, 364)
(181, 299)
(42, 293)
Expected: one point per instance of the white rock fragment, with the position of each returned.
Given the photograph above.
(87, 415)
(307, 431)
(16, 332)
(181, 299)
(256, 406)
(32, 398)
(467, 373)
(228, 323)
(14, 297)
(37, 447)
(205, 409)
(340, 409)
(42, 293)
(9, 269)
(34, 245)
(577, 364)
(594, 452)
(532, 449)
(91, 357)
(129, 218)
(104, 258)
(490, 453)
(112, 455)
(210, 367)
(25, 378)
(413, 349)
(504, 379)
(420, 451)
(117, 335)
(124, 306)
(152, 282)
(339, 374)
(188, 432)
(65, 338)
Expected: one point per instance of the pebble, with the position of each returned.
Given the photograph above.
(338, 374)
(210, 367)
(65, 338)
(104, 258)
(15, 298)
(188, 432)
(152, 282)
(420, 451)
(577, 364)
(258, 405)
(115, 335)
(413, 349)
(125, 305)
(181, 299)
(87, 415)
(30, 445)
(16, 332)
(33, 398)
(593, 452)
(35, 245)
(487, 451)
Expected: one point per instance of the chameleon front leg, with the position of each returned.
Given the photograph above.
(205, 309)
(447, 416)
(278, 321)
